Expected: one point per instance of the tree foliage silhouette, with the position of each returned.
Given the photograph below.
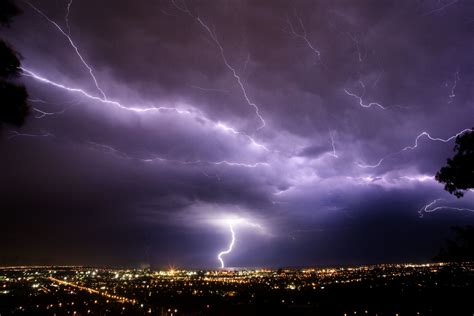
(458, 175)
(7, 10)
(13, 96)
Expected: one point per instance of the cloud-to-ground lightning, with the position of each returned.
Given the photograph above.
(427, 208)
(238, 79)
(74, 46)
(229, 249)
(415, 145)
(232, 223)
(303, 35)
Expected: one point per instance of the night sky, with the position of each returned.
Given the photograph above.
(294, 122)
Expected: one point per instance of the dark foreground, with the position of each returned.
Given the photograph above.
(431, 289)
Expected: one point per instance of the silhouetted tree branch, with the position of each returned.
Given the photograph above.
(458, 175)
(7, 11)
(13, 96)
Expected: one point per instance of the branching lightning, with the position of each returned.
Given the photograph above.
(453, 88)
(122, 154)
(234, 73)
(41, 114)
(213, 36)
(74, 46)
(303, 35)
(435, 138)
(427, 208)
(217, 125)
(229, 249)
(235, 132)
(103, 98)
(415, 145)
(357, 44)
(29, 73)
(354, 39)
(361, 101)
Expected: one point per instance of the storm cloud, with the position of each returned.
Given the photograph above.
(141, 175)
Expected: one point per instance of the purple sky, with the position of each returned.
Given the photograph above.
(295, 121)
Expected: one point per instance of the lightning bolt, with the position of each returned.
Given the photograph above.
(235, 132)
(303, 36)
(427, 209)
(14, 134)
(66, 18)
(232, 70)
(366, 166)
(124, 155)
(353, 38)
(29, 73)
(357, 44)
(74, 46)
(415, 146)
(209, 89)
(231, 223)
(217, 125)
(361, 101)
(41, 114)
(440, 8)
(435, 138)
(211, 177)
(333, 146)
(229, 249)
(38, 101)
(453, 88)
(103, 98)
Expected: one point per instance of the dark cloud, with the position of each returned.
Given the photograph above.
(94, 183)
